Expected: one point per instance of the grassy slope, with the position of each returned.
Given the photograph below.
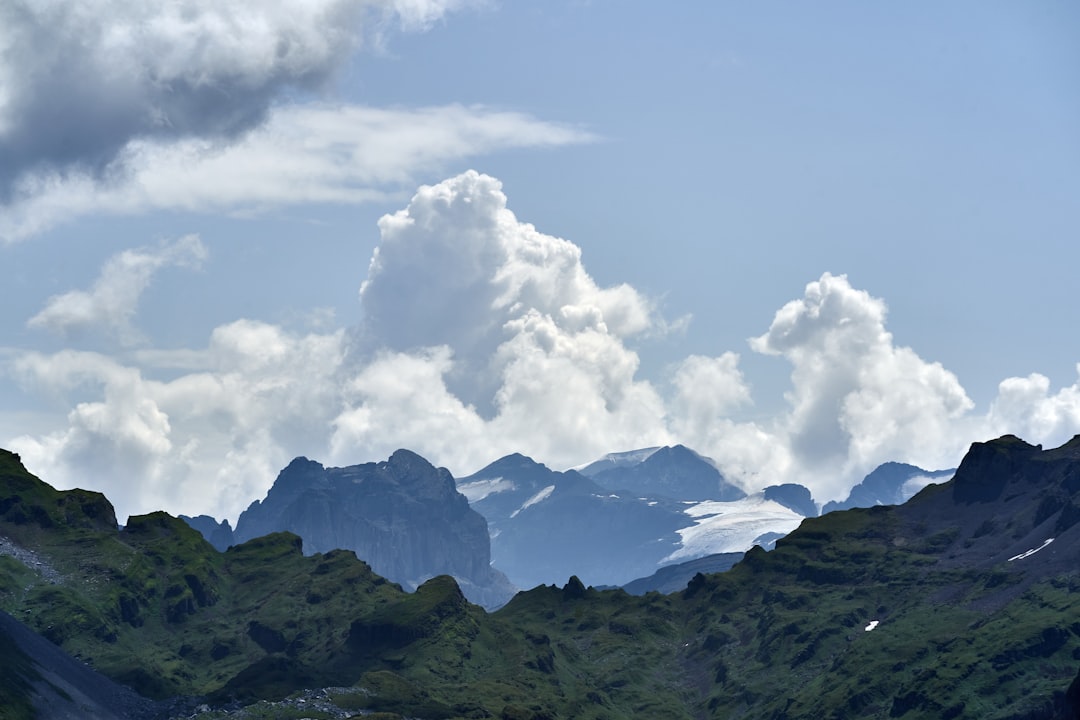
(780, 635)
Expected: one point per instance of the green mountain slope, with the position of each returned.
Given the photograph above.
(954, 605)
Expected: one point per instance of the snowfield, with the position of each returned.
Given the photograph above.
(538, 497)
(480, 489)
(721, 527)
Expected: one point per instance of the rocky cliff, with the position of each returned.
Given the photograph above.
(404, 517)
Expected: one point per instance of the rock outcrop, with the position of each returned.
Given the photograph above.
(404, 517)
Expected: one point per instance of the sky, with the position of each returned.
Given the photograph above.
(802, 239)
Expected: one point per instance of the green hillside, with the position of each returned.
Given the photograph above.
(957, 629)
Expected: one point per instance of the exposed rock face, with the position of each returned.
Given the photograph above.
(404, 517)
(793, 496)
(218, 534)
(1010, 503)
(889, 484)
(675, 472)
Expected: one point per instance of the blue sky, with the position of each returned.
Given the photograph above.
(802, 239)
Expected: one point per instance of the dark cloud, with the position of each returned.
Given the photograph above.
(79, 80)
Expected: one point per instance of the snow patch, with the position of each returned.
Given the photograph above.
(538, 497)
(732, 526)
(873, 624)
(1032, 551)
(479, 489)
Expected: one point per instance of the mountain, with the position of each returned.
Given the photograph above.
(675, 472)
(961, 603)
(403, 516)
(218, 534)
(547, 525)
(616, 459)
(891, 483)
(794, 497)
(675, 578)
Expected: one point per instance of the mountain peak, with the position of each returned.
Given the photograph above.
(675, 472)
(988, 467)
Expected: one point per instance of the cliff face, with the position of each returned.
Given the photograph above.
(404, 517)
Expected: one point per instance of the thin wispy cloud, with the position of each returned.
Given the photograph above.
(302, 155)
(109, 306)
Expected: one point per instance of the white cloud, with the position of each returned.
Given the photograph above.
(1025, 407)
(481, 336)
(301, 155)
(536, 345)
(117, 442)
(111, 303)
(401, 400)
(207, 441)
(857, 399)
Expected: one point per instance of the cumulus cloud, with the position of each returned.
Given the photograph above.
(857, 399)
(526, 341)
(1025, 407)
(206, 441)
(111, 303)
(457, 268)
(82, 79)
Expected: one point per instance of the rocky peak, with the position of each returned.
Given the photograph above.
(988, 467)
(676, 472)
(794, 497)
(403, 516)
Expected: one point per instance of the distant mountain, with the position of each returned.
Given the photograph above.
(793, 496)
(675, 578)
(615, 460)
(674, 472)
(892, 483)
(218, 534)
(547, 525)
(403, 517)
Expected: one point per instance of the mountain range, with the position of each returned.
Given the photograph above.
(611, 522)
(619, 518)
(960, 603)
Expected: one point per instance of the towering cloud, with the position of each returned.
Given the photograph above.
(511, 322)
